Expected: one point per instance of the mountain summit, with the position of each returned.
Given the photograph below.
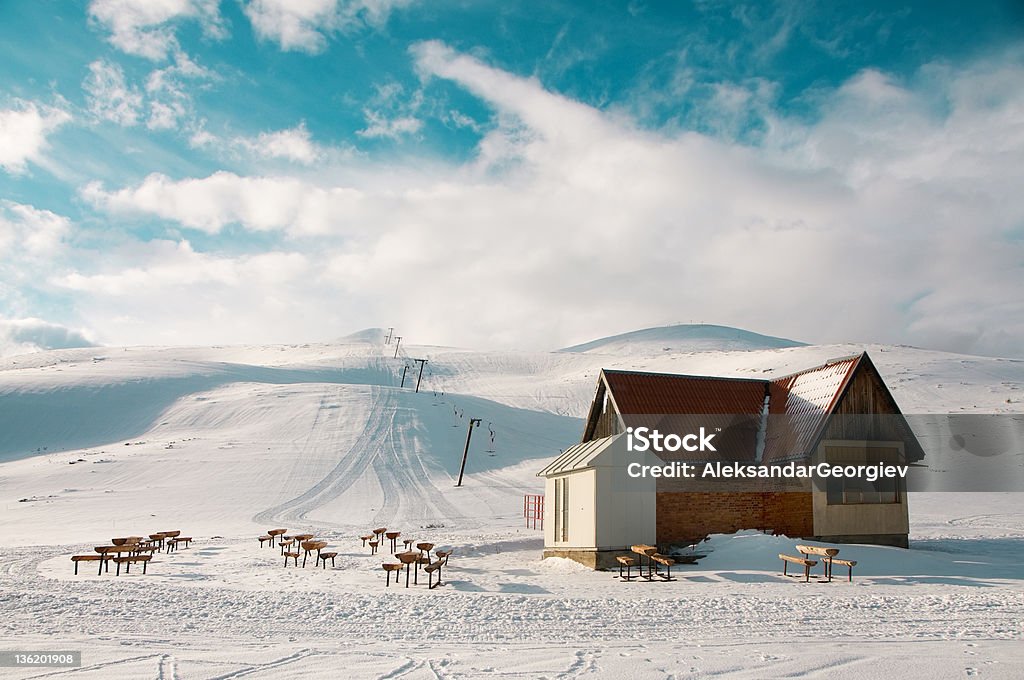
(682, 338)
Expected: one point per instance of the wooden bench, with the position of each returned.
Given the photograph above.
(264, 539)
(379, 534)
(310, 546)
(284, 544)
(627, 562)
(173, 543)
(274, 533)
(366, 538)
(431, 567)
(846, 563)
(292, 554)
(658, 561)
(324, 556)
(373, 546)
(392, 568)
(129, 560)
(102, 558)
(807, 564)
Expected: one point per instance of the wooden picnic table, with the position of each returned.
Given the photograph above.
(828, 556)
(409, 558)
(643, 550)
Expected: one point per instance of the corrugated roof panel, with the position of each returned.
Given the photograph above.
(576, 457)
(804, 400)
(654, 393)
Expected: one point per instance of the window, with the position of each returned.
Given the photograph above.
(858, 490)
(854, 491)
(561, 509)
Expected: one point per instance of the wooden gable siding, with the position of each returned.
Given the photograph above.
(603, 420)
(867, 411)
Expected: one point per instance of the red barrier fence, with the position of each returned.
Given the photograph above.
(533, 510)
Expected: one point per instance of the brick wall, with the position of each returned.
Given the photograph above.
(685, 516)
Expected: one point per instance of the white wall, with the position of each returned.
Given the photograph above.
(582, 511)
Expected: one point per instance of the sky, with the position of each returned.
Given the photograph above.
(510, 175)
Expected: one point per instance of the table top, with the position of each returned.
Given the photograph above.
(642, 549)
(116, 548)
(407, 557)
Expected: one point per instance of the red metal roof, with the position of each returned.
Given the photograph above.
(661, 393)
(799, 404)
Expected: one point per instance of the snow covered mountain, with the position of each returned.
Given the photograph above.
(682, 338)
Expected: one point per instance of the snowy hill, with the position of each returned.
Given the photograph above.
(271, 434)
(225, 442)
(682, 338)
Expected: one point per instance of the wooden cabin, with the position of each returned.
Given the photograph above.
(840, 412)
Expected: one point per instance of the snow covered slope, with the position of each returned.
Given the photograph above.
(224, 442)
(272, 434)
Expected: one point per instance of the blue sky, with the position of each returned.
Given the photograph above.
(510, 174)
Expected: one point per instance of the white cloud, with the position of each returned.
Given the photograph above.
(109, 96)
(33, 242)
(145, 28)
(305, 26)
(888, 218)
(392, 128)
(26, 231)
(294, 144)
(166, 292)
(210, 204)
(164, 102)
(169, 99)
(24, 131)
(22, 336)
(167, 263)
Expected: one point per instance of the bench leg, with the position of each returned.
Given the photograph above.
(807, 573)
(144, 566)
(668, 573)
(76, 567)
(785, 565)
(118, 571)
